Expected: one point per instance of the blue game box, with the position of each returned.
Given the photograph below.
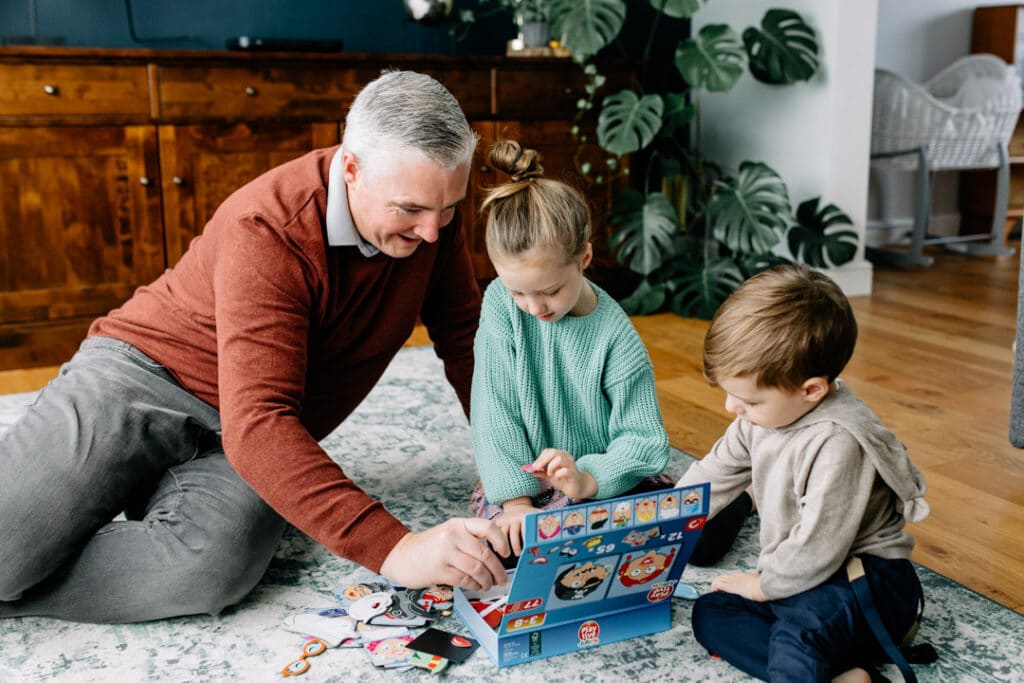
(590, 574)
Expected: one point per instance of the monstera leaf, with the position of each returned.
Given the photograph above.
(784, 50)
(750, 213)
(680, 9)
(811, 241)
(714, 60)
(678, 112)
(586, 26)
(642, 230)
(627, 122)
(647, 298)
(699, 287)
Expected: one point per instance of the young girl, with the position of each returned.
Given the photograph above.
(563, 405)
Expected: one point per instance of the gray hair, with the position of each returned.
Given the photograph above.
(405, 110)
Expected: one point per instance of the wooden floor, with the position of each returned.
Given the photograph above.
(934, 362)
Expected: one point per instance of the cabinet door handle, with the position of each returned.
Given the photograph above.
(250, 91)
(178, 180)
(485, 169)
(51, 90)
(144, 180)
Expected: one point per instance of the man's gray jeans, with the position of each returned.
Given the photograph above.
(114, 432)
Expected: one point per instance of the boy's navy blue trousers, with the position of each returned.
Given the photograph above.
(810, 636)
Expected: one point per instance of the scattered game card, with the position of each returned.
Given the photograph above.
(399, 613)
(390, 653)
(369, 632)
(431, 663)
(451, 646)
(430, 602)
(330, 625)
(686, 591)
(352, 592)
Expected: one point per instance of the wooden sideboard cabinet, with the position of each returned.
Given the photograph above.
(112, 161)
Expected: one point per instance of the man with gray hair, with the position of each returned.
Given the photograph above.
(197, 406)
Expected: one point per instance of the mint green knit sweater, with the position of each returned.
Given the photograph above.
(584, 385)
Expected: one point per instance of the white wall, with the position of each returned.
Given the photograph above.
(816, 135)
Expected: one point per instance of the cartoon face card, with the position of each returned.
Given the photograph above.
(580, 582)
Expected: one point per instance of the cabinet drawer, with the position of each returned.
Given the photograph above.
(470, 85)
(55, 90)
(253, 92)
(529, 91)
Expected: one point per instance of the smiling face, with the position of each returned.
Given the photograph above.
(771, 407)
(405, 203)
(545, 287)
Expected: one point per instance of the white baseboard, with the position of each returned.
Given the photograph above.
(854, 278)
(894, 231)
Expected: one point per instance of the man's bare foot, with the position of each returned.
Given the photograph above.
(853, 676)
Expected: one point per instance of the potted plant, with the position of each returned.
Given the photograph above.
(530, 16)
(692, 229)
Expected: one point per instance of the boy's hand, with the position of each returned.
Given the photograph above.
(744, 584)
(511, 523)
(559, 467)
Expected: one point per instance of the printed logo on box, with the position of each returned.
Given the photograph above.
(520, 623)
(590, 634)
(660, 591)
(535, 646)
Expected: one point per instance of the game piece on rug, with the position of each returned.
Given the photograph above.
(451, 646)
(400, 613)
(370, 606)
(390, 653)
(349, 593)
(332, 629)
(312, 648)
(431, 663)
(686, 592)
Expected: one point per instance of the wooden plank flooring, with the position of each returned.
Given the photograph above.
(934, 362)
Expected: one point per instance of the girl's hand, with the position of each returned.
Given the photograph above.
(511, 522)
(744, 584)
(560, 469)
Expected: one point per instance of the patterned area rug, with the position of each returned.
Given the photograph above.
(409, 445)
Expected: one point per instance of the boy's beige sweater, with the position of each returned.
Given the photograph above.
(835, 483)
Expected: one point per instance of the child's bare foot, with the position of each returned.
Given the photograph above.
(853, 676)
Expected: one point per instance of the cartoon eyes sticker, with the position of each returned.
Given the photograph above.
(300, 666)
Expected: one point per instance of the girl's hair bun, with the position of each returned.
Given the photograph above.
(519, 163)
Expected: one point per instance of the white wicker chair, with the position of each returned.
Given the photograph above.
(961, 119)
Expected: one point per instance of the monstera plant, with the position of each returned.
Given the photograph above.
(692, 229)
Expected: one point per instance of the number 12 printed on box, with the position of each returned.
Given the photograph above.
(592, 573)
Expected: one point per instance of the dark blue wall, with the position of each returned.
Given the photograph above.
(376, 26)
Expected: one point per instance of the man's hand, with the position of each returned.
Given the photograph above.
(452, 553)
(511, 521)
(744, 584)
(559, 467)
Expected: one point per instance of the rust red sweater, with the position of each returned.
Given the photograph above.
(285, 335)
